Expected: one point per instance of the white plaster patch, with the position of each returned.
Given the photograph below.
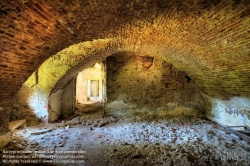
(230, 113)
(37, 103)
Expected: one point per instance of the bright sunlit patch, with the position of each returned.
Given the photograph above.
(98, 66)
(37, 103)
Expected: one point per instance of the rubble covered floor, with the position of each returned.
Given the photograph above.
(109, 140)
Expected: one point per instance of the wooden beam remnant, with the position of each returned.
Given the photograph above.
(243, 136)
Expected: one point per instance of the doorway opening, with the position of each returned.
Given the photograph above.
(94, 90)
(90, 88)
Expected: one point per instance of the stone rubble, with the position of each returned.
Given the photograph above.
(110, 140)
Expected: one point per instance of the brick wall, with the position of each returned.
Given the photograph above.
(209, 40)
(142, 85)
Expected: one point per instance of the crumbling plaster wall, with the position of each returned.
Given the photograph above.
(55, 103)
(33, 106)
(231, 112)
(29, 104)
(68, 99)
(141, 85)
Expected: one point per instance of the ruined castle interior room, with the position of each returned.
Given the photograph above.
(125, 82)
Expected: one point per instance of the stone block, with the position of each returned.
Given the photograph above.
(17, 124)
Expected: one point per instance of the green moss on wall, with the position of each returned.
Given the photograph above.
(52, 70)
(31, 81)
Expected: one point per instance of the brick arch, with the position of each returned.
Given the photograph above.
(207, 40)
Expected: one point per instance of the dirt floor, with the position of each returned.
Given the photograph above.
(91, 138)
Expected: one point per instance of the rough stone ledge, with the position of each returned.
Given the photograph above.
(17, 124)
(4, 139)
(5, 136)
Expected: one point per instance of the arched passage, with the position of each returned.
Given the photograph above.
(209, 41)
(58, 70)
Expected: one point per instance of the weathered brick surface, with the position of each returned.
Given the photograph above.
(138, 84)
(209, 40)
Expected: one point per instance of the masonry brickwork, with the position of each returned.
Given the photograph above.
(142, 85)
(209, 40)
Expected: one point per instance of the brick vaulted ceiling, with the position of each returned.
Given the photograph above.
(208, 39)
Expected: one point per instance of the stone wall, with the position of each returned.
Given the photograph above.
(141, 85)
